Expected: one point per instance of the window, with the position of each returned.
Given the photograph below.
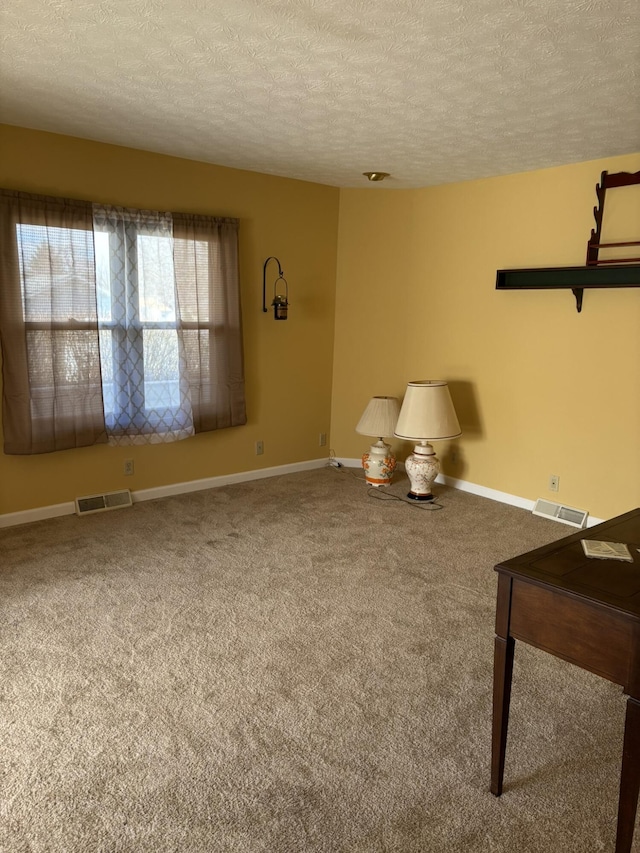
(117, 324)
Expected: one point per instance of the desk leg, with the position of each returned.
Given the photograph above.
(629, 778)
(502, 672)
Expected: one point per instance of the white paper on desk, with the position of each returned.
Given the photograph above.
(606, 550)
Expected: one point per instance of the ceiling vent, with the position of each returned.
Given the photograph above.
(559, 512)
(101, 503)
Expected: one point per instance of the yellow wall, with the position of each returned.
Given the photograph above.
(288, 366)
(539, 388)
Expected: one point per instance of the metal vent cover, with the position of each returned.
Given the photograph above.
(103, 502)
(559, 512)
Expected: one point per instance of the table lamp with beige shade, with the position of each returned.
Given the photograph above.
(379, 419)
(427, 414)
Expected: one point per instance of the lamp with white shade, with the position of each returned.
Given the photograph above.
(427, 414)
(379, 419)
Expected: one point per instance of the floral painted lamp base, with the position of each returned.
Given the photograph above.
(379, 464)
(422, 467)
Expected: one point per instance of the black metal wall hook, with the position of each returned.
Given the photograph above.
(280, 302)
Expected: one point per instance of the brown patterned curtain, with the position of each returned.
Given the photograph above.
(52, 394)
(206, 267)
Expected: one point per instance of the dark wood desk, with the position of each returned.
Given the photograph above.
(587, 612)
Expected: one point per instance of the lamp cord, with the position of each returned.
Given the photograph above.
(378, 494)
(430, 506)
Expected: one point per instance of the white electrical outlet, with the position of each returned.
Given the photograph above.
(554, 483)
(128, 467)
(259, 448)
(323, 439)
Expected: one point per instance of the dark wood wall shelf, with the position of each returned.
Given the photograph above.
(570, 278)
(598, 272)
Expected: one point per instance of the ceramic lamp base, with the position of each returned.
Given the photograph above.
(422, 467)
(379, 464)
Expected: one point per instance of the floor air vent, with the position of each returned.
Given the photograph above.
(101, 503)
(558, 512)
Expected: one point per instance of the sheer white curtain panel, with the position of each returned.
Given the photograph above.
(145, 386)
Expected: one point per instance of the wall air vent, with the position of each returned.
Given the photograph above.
(558, 512)
(101, 503)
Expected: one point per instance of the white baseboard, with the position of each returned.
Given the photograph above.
(10, 519)
(484, 492)
(225, 480)
(475, 489)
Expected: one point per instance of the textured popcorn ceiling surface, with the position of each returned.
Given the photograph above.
(431, 91)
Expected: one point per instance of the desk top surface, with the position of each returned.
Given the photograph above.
(564, 565)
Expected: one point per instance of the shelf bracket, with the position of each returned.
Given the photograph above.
(578, 292)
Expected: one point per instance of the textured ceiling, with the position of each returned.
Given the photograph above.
(431, 91)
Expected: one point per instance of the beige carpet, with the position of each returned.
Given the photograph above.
(287, 665)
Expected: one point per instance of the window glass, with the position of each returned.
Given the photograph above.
(156, 283)
(161, 369)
